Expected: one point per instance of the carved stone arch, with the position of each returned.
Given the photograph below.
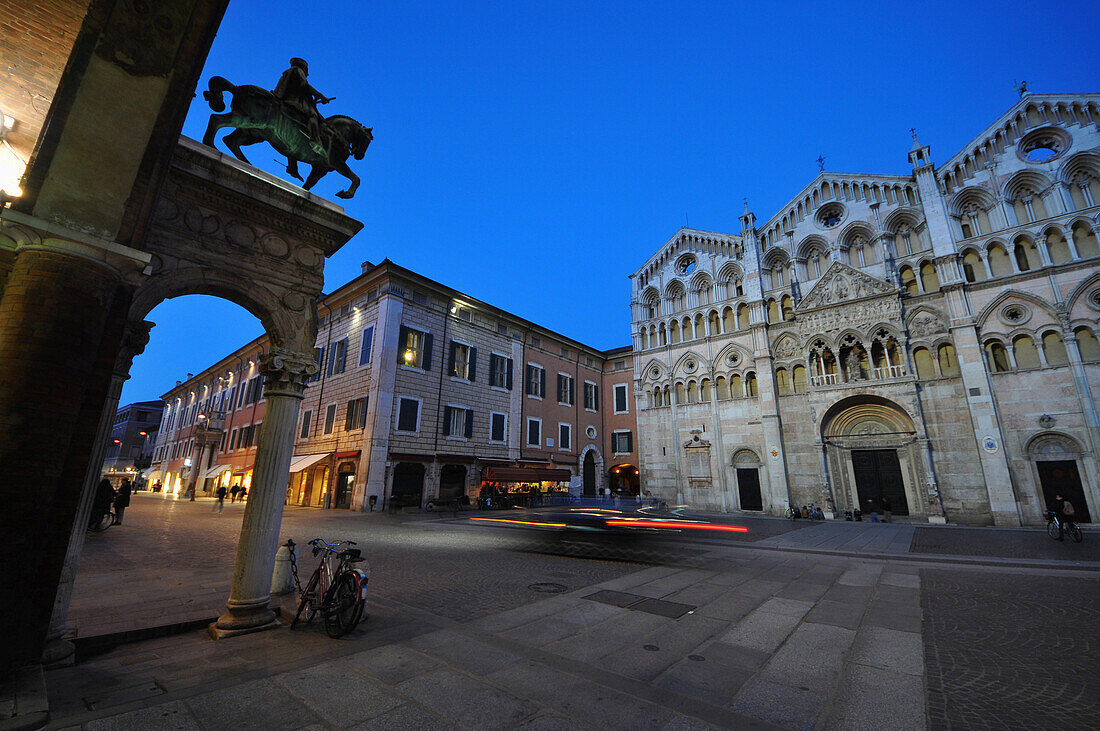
(995, 304)
(730, 271)
(854, 229)
(746, 458)
(683, 365)
(807, 246)
(1086, 163)
(892, 329)
(867, 414)
(826, 342)
(904, 216)
(842, 337)
(1053, 445)
(978, 195)
(731, 358)
(1025, 180)
(650, 295)
(1054, 228)
(655, 371)
(1082, 290)
(290, 321)
(674, 287)
(701, 280)
(925, 322)
(786, 347)
(775, 255)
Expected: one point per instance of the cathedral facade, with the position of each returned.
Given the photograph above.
(922, 343)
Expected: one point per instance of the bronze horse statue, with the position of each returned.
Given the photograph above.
(260, 117)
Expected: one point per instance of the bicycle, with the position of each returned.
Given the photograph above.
(104, 521)
(1057, 529)
(339, 593)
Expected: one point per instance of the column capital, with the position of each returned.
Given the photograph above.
(135, 337)
(286, 372)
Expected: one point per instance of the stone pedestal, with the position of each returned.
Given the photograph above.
(249, 610)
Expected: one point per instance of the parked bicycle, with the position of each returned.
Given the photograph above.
(1057, 529)
(338, 593)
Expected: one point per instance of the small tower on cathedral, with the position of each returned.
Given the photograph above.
(935, 208)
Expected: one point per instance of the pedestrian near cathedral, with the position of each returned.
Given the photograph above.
(221, 498)
(122, 500)
(233, 493)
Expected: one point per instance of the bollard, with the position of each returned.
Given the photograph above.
(282, 580)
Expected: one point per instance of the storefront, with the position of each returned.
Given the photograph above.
(623, 480)
(522, 486)
(309, 480)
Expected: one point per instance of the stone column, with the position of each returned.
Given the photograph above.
(285, 375)
(59, 652)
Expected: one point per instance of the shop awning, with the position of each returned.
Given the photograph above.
(346, 455)
(148, 474)
(215, 471)
(306, 461)
(524, 474)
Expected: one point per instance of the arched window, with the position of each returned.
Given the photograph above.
(1084, 240)
(782, 382)
(1054, 349)
(779, 275)
(643, 338)
(949, 365)
(928, 277)
(715, 323)
(773, 311)
(656, 397)
(693, 393)
(742, 316)
(750, 384)
(1058, 248)
(1021, 251)
(788, 307)
(798, 379)
(681, 396)
(736, 389)
(973, 269)
(1087, 344)
(674, 332)
(908, 280)
(1027, 355)
(663, 335)
(923, 360)
(728, 323)
(700, 327)
(705, 391)
(999, 263)
(721, 388)
(997, 355)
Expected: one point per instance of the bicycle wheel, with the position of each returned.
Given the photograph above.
(344, 608)
(1054, 530)
(105, 521)
(1074, 531)
(308, 601)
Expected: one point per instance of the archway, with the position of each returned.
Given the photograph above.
(746, 466)
(452, 482)
(589, 474)
(345, 486)
(1059, 471)
(873, 456)
(623, 480)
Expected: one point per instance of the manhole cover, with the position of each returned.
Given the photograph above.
(547, 588)
(651, 648)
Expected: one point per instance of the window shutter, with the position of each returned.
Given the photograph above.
(596, 398)
(427, 359)
(473, 364)
(542, 382)
(509, 374)
(629, 441)
(365, 346)
(349, 417)
(446, 421)
(331, 358)
(469, 423)
(342, 355)
(363, 413)
(402, 343)
(451, 359)
(492, 369)
(572, 391)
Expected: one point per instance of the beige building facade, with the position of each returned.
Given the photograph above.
(924, 343)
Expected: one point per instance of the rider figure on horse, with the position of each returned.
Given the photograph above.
(300, 99)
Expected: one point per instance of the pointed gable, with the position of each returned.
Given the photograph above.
(841, 283)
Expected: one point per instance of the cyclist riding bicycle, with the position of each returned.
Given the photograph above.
(1062, 509)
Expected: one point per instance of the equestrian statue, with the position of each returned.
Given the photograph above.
(287, 119)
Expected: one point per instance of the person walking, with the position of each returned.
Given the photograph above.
(221, 498)
(122, 500)
(104, 494)
(233, 493)
(886, 514)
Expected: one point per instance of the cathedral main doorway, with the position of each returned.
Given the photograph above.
(1062, 478)
(878, 481)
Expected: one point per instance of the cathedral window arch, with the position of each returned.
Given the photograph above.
(798, 379)
(714, 322)
(751, 390)
(737, 389)
(729, 324)
(1087, 344)
(930, 280)
(705, 391)
(908, 279)
(674, 332)
(1024, 254)
(700, 326)
(721, 388)
(973, 266)
(743, 319)
(922, 360)
(997, 356)
(692, 392)
(1025, 352)
(1058, 250)
(945, 358)
(999, 263)
(773, 311)
(662, 334)
(1084, 240)
(787, 307)
(782, 382)
(1054, 349)
(681, 393)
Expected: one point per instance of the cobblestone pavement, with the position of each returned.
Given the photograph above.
(1003, 543)
(456, 637)
(1010, 650)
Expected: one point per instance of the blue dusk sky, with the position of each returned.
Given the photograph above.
(534, 154)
